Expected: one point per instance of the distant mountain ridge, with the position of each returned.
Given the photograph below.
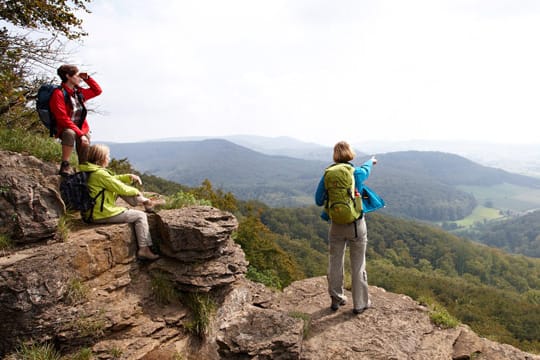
(516, 158)
(282, 145)
(246, 173)
(415, 184)
(452, 169)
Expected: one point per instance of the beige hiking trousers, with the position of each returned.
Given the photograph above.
(140, 224)
(338, 238)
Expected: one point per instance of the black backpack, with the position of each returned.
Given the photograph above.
(76, 196)
(43, 108)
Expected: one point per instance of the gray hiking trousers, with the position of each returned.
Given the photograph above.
(338, 238)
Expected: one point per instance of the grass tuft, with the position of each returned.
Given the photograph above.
(163, 288)
(35, 351)
(307, 321)
(82, 354)
(77, 292)
(116, 353)
(91, 327)
(438, 313)
(19, 140)
(64, 226)
(5, 242)
(202, 308)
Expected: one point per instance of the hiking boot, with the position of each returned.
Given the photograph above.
(145, 253)
(359, 311)
(336, 303)
(65, 168)
(151, 205)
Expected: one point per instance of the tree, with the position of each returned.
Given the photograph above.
(50, 15)
(218, 198)
(33, 43)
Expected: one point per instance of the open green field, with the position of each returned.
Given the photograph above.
(506, 196)
(502, 198)
(480, 214)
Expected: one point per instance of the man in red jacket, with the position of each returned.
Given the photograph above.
(71, 125)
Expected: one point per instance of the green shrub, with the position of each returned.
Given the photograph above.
(183, 199)
(440, 317)
(267, 277)
(532, 296)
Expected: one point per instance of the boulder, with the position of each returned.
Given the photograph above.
(195, 233)
(36, 283)
(244, 330)
(30, 203)
(207, 275)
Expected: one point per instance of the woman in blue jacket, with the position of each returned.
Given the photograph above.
(354, 234)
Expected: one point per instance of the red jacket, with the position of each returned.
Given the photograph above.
(62, 113)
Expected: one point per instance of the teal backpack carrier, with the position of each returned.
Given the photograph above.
(342, 203)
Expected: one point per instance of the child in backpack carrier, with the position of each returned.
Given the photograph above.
(114, 186)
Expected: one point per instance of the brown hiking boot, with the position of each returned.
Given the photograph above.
(151, 206)
(65, 168)
(145, 253)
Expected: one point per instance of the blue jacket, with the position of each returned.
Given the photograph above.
(370, 200)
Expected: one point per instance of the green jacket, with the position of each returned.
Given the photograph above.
(114, 185)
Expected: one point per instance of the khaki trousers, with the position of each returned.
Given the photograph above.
(338, 238)
(140, 223)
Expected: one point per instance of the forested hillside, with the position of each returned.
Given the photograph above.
(421, 184)
(420, 197)
(497, 294)
(519, 235)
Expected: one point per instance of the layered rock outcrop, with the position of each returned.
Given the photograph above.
(89, 291)
(29, 201)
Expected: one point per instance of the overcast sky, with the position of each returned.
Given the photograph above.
(316, 70)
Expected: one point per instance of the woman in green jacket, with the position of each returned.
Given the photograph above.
(106, 211)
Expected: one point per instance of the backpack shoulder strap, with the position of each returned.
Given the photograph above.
(66, 96)
(89, 218)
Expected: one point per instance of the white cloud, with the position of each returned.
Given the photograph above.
(315, 70)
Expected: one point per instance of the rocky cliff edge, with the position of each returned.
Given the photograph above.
(89, 291)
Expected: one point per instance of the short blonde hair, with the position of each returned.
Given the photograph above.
(97, 154)
(343, 152)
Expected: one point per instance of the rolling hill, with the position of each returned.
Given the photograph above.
(415, 184)
(276, 180)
